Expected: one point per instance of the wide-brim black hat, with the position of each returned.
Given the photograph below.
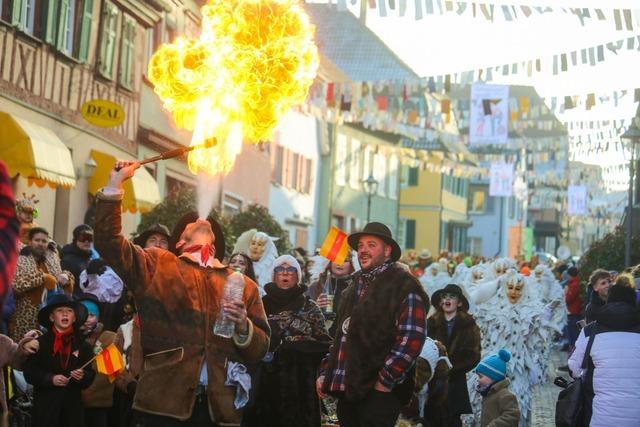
(456, 290)
(379, 230)
(62, 300)
(190, 217)
(141, 239)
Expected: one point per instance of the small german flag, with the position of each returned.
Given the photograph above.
(109, 362)
(335, 247)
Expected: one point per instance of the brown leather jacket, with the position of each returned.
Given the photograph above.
(178, 302)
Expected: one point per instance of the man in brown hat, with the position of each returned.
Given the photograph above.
(381, 328)
(179, 298)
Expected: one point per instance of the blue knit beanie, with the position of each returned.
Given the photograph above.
(494, 366)
(92, 307)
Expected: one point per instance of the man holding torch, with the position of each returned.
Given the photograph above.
(179, 296)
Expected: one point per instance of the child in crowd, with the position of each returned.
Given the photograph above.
(55, 371)
(499, 405)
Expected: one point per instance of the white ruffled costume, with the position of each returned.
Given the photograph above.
(434, 278)
(524, 329)
(550, 292)
(263, 267)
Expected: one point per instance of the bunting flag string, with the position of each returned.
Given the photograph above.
(623, 19)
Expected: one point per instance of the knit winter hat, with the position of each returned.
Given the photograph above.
(286, 259)
(495, 366)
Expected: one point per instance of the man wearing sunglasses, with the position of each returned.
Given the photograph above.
(381, 328)
(76, 255)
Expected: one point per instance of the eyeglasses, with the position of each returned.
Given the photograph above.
(282, 270)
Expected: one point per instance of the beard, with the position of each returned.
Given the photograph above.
(38, 253)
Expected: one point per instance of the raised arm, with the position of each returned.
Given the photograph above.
(133, 264)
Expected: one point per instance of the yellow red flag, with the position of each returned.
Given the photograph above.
(335, 247)
(109, 362)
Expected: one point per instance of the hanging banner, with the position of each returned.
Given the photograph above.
(501, 180)
(527, 243)
(489, 122)
(577, 200)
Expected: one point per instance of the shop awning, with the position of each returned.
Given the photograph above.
(141, 192)
(35, 153)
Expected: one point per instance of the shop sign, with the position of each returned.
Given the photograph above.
(103, 113)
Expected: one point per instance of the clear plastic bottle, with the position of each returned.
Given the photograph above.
(233, 291)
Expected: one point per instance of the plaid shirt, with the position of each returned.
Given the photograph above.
(412, 331)
(10, 227)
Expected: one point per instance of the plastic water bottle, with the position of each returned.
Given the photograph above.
(233, 291)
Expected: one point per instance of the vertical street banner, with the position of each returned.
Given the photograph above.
(577, 195)
(501, 180)
(489, 122)
(527, 243)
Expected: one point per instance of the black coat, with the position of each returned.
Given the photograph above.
(463, 348)
(74, 259)
(285, 386)
(593, 308)
(58, 406)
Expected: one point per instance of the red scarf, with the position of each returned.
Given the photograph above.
(205, 251)
(62, 345)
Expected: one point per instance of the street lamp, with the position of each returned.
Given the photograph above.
(633, 135)
(370, 187)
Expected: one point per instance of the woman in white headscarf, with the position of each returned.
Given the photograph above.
(260, 248)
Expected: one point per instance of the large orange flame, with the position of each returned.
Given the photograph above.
(254, 60)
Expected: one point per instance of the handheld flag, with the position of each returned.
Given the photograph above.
(335, 247)
(109, 362)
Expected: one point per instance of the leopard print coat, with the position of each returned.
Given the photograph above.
(29, 291)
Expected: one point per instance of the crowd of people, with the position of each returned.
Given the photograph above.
(375, 340)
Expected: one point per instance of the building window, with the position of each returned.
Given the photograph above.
(108, 34)
(366, 163)
(307, 178)
(84, 20)
(341, 160)
(410, 234)
(474, 246)
(149, 48)
(5, 10)
(477, 201)
(512, 207)
(338, 221)
(413, 177)
(66, 21)
(23, 15)
(393, 177)
(379, 172)
(278, 164)
(354, 170)
(126, 52)
(231, 204)
(302, 237)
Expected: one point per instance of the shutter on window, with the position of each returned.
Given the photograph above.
(50, 31)
(85, 30)
(63, 15)
(17, 12)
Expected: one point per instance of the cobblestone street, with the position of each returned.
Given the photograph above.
(544, 401)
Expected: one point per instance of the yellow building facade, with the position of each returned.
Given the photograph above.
(433, 211)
